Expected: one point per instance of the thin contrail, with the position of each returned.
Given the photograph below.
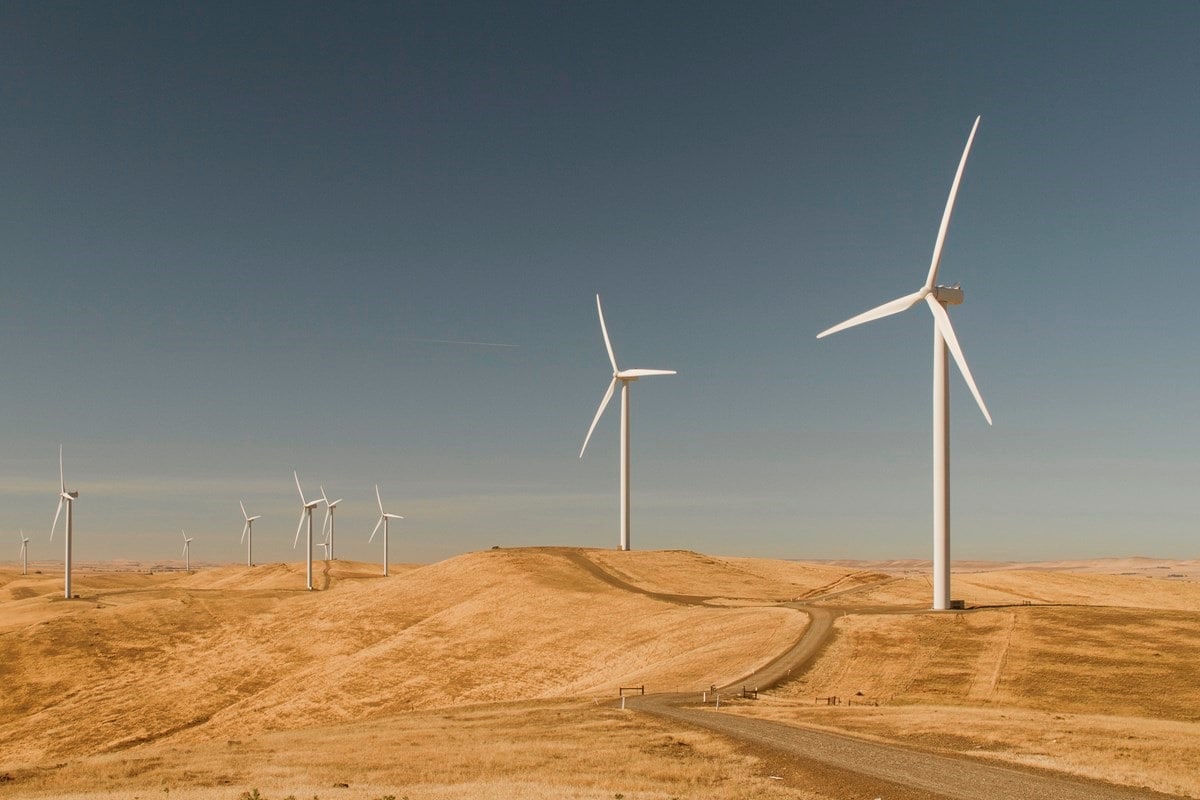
(456, 341)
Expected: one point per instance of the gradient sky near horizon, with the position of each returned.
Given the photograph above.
(242, 239)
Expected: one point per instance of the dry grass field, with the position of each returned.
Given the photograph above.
(1110, 691)
(492, 675)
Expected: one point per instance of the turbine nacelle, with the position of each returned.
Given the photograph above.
(618, 376)
(948, 295)
(306, 510)
(935, 296)
(383, 516)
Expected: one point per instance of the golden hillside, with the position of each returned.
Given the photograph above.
(235, 651)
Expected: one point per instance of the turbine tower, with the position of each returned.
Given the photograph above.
(24, 554)
(625, 378)
(306, 510)
(248, 534)
(383, 520)
(187, 553)
(937, 298)
(69, 498)
(329, 507)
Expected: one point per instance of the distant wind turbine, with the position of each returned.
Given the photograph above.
(248, 534)
(306, 510)
(187, 552)
(936, 298)
(24, 554)
(69, 498)
(383, 520)
(328, 523)
(624, 377)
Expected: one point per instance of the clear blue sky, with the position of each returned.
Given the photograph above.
(225, 230)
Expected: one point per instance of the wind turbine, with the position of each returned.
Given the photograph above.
(383, 520)
(936, 298)
(306, 510)
(325, 544)
(329, 507)
(24, 554)
(187, 552)
(69, 498)
(624, 377)
(248, 533)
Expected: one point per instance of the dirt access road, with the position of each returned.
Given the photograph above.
(846, 765)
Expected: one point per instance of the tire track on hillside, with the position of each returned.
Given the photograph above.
(600, 573)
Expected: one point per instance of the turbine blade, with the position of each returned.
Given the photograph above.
(298, 489)
(603, 404)
(942, 319)
(380, 499)
(393, 516)
(325, 524)
(324, 499)
(604, 330)
(184, 535)
(941, 237)
(885, 310)
(61, 480)
(244, 530)
(243, 505)
(56, 513)
(298, 529)
(184, 553)
(254, 518)
(642, 373)
(377, 524)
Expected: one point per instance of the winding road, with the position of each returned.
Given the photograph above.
(845, 764)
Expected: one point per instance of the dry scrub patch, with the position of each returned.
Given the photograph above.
(531, 751)
(1118, 661)
(1039, 587)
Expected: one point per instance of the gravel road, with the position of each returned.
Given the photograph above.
(929, 773)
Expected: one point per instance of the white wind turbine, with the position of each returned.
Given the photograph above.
(306, 510)
(329, 507)
(325, 545)
(24, 554)
(383, 520)
(187, 552)
(69, 498)
(624, 377)
(937, 298)
(248, 534)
